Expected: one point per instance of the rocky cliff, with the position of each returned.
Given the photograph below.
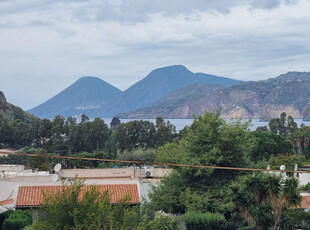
(2, 97)
(262, 99)
(11, 112)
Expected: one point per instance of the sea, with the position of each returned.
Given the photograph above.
(181, 123)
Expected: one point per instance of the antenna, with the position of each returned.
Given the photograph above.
(282, 167)
(57, 167)
(55, 177)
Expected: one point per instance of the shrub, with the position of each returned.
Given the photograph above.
(17, 220)
(160, 222)
(4, 216)
(203, 221)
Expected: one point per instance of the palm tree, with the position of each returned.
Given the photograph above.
(240, 198)
(261, 196)
(287, 198)
(250, 198)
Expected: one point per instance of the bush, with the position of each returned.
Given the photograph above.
(87, 163)
(17, 220)
(148, 155)
(160, 222)
(295, 219)
(305, 187)
(69, 209)
(4, 216)
(203, 221)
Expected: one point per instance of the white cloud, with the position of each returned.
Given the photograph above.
(47, 45)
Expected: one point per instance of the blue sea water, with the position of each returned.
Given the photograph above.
(181, 123)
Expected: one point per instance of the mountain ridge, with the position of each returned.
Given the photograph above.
(157, 84)
(84, 95)
(168, 106)
(256, 99)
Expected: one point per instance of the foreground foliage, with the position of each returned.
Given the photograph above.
(209, 141)
(68, 210)
(17, 220)
(201, 221)
(261, 198)
(160, 222)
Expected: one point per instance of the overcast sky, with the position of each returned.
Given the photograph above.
(46, 45)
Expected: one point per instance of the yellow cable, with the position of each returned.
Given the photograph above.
(154, 163)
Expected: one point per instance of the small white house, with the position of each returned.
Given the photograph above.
(304, 178)
(6, 150)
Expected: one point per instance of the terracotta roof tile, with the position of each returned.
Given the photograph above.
(32, 196)
(5, 202)
(305, 202)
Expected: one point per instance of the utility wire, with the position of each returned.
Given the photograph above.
(152, 163)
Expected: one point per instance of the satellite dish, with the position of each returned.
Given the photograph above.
(282, 167)
(54, 177)
(57, 167)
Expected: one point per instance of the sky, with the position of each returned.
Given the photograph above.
(46, 45)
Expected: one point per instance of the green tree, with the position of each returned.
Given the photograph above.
(44, 134)
(288, 160)
(34, 132)
(70, 130)
(15, 133)
(261, 198)
(283, 126)
(160, 222)
(170, 152)
(79, 136)
(212, 141)
(66, 210)
(111, 144)
(202, 221)
(167, 196)
(209, 141)
(58, 135)
(148, 155)
(295, 219)
(165, 132)
(17, 220)
(267, 144)
(135, 134)
(89, 163)
(5, 215)
(300, 141)
(99, 134)
(40, 163)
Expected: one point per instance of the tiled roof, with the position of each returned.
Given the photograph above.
(32, 196)
(305, 202)
(5, 202)
(7, 150)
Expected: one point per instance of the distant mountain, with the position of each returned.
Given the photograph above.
(82, 97)
(262, 99)
(176, 104)
(12, 112)
(156, 85)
